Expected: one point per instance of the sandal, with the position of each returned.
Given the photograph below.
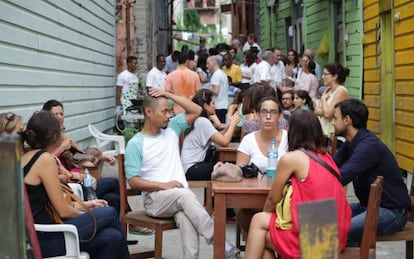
(136, 230)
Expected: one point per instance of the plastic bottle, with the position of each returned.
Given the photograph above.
(87, 185)
(272, 155)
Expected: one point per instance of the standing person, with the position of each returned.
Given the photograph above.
(153, 165)
(201, 47)
(308, 81)
(182, 81)
(247, 68)
(11, 123)
(310, 54)
(156, 76)
(236, 44)
(202, 71)
(334, 76)
(292, 66)
(309, 180)
(262, 73)
(202, 134)
(171, 62)
(251, 42)
(126, 88)
(361, 159)
(219, 85)
(42, 134)
(278, 74)
(232, 70)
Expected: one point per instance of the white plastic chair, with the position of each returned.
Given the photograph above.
(102, 140)
(69, 231)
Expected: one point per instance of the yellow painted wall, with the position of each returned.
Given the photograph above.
(403, 83)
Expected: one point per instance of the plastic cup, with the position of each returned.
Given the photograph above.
(270, 174)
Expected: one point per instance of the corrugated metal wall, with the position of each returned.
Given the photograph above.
(59, 50)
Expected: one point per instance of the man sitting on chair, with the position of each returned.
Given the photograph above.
(153, 165)
(361, 159)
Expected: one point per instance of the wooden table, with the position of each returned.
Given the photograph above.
(228, 153)
(249, 193)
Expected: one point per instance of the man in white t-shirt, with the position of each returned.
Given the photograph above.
(277, 72)
(219, 85)
(156, 76)
(153, 165)
(126, 88)
(251, 42)
(171, 62)
(262, 72)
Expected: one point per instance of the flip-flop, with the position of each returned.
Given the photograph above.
(143, 232)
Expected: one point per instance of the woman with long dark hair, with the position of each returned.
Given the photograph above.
(202, 134)
(40, 167)
(309, 180)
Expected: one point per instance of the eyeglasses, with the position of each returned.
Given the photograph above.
(10, 117)
(326, 73)
(287, 98)
(265, 112)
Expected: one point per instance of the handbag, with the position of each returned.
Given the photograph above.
(226, 172)
(74, 158)
(211, 154)
(283, 208)
(250, 171)
(70, 197)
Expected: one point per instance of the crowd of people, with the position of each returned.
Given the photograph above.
(289, 100)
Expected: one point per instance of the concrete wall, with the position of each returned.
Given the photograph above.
(60, 50)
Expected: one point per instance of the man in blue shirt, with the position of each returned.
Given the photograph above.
(361, 159)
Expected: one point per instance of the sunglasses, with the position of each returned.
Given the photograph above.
(10, 117)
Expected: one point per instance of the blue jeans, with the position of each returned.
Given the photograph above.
(389, 222)
(108, 189)
(109, 241)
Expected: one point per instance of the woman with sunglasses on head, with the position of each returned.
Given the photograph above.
(201, 135)
(11, 123)
(309, 181)
(40, 168)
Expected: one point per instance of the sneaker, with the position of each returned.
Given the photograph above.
(231, 251)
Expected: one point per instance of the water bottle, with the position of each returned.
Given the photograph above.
(87, 185)
(272, 155)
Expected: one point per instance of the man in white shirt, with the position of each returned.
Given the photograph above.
(262, 72)
(318, 72)
(156, 76)
(219, 85)
(277, 72)
(171, 62)
(251, 42)
(126, 88)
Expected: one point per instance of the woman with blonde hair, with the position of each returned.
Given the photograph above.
(11, 123)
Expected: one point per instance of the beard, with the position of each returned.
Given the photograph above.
(340, 132)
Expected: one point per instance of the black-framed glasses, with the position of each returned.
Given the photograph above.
(9, 117)
(265, 112)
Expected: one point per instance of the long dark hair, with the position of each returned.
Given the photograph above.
(336, 68)
(42, 130)
(305, 131)
(204, 96)
(302, 94)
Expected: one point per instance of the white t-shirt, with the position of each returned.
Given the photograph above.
(277, 73)
(156, 78)
(248, 71)
(249, 147)
(157, 158)
(129, 83)
(196, 143)
(220, 79)
(170, 65)
(262, 72)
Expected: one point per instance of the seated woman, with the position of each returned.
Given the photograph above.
(309, 181)
(254, 146)
(302, 101)
(107, 188)
(202, 134)
(42, 134)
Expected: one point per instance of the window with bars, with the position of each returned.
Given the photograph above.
(211, 3)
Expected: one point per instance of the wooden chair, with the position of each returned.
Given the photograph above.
(369, 235)
(140, 218)
(407, 233)
(208, 199)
